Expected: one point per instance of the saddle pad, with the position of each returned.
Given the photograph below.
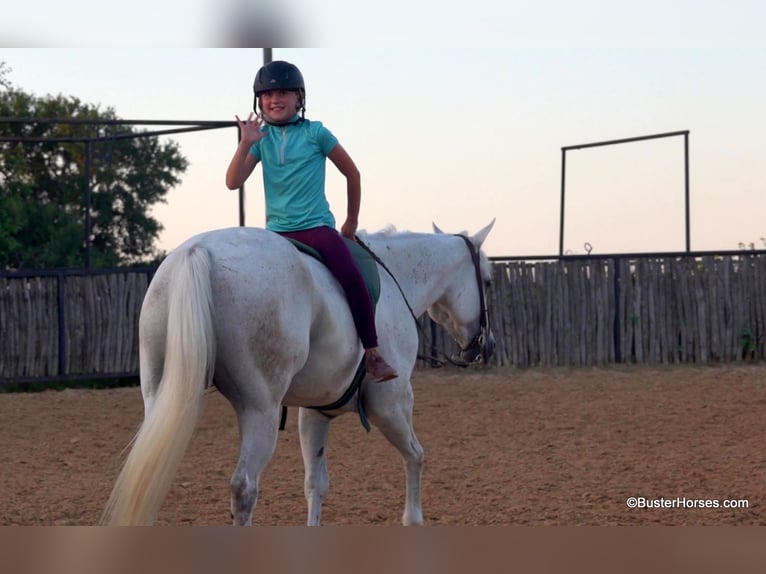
(364, 261)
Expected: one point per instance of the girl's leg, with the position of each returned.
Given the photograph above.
(331, 246)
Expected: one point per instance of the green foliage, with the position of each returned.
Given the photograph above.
(4, 81)
(747, 342)
(42, 186)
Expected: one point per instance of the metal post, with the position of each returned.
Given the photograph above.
(686, 191)
(241, 189)
(563, 187)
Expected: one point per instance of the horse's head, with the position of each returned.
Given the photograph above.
(462, 310)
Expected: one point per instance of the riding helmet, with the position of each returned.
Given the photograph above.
(279, 75)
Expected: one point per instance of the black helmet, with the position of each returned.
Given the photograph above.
(279, 75)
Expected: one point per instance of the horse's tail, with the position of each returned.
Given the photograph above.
(165, 433)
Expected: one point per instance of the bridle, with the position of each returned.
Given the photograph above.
(475, 348)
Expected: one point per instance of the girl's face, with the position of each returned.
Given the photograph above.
(279, 105)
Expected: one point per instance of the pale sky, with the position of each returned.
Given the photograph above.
(459, 136)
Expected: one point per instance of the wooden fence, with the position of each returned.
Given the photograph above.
(649, 310)
(567, 312)
(70, 324)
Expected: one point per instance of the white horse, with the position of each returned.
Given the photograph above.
(242, 309)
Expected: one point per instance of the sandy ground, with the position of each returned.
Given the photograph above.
(503, 447)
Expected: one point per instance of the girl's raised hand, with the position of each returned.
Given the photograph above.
(250, 128)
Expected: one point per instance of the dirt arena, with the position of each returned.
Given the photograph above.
(503, 447)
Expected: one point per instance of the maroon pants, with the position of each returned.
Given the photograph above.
(331, 246)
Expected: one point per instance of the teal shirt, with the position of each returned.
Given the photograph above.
(294, 158)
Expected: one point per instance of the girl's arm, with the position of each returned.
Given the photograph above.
(243, 163)
(348, 168)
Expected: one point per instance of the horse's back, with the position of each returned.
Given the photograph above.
(242, 260)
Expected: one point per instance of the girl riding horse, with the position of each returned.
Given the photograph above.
(292, 151)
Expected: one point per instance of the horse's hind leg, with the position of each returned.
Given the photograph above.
(258, 440)
(397, 428)
(313, 428)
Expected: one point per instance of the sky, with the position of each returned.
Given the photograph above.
(459, 136)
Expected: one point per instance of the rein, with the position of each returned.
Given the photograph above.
(483, 318)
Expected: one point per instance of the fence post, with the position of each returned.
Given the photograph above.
(617, 331)
(61, 295)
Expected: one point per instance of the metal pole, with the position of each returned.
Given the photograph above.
(686, 191)
(563, 187)
(627, 140)
(241, 190)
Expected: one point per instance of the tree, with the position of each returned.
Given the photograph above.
(4, 71)
(42, 185)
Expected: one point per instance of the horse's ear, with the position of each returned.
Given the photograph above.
(436, 228)
(479, 237)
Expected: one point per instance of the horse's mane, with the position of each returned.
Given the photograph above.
(390, 230)
(387, 231)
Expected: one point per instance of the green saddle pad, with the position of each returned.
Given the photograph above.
(364, 261)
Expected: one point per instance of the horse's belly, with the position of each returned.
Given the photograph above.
(334, 355)
(316, 388)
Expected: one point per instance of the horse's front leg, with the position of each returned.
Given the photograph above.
(313, 429)
(397, 428)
